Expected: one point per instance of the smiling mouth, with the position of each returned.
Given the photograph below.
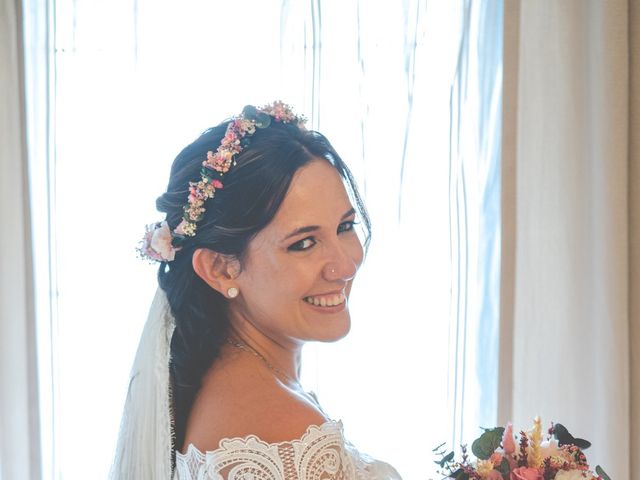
(327, 300)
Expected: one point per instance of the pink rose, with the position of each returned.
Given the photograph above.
(508, 442)
(526, 473)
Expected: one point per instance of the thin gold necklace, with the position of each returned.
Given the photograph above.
(271, 366)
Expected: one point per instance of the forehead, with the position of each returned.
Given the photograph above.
(316, 194)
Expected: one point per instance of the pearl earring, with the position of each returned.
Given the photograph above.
(232, 292)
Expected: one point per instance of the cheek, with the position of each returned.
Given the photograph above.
(277, 279)
(357, 252)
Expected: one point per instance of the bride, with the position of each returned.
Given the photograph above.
(257, 254)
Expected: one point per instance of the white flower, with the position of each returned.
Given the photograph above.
(573, 475)
(549, 448)
(161, 242)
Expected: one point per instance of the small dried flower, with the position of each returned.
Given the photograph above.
(524, 447)
(217, 163)
(535, 457)
(508, 442)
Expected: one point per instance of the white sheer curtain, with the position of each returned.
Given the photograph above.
(19, 425)
(135, 80)
(474, 205)
(572, 208)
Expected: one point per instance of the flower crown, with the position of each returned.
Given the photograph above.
(160, 243)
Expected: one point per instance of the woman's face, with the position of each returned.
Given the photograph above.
(298, 270)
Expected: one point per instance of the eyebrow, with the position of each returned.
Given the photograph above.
(313, 228)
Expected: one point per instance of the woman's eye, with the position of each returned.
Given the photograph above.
(307, 243)
(346, 226)
(303, 244)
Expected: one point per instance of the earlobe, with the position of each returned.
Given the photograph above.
(216, 269)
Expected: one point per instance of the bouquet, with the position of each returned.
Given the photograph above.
(502, 456)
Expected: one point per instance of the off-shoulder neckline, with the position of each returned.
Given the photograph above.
(330, 426)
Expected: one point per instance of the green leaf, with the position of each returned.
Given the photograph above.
(504, 467)
(462, 476)
(249, 112)
(263, 120)
(459, 475)
(565, 438)
(581, 443)
(484, 446)
(602, 473)
(444, 460)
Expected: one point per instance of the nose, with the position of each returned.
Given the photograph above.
(342, 262)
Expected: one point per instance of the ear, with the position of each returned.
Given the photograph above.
(217, 270)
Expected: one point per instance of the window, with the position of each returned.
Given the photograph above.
(408, 93)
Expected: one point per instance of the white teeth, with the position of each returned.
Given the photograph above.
(326, 301)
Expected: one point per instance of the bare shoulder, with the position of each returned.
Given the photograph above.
(231, 406)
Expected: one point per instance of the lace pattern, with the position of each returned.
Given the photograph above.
(320, 454)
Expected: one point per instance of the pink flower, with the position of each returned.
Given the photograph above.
(526, 473)
(508, 442)
(216, 183)
(161, 242)
(496, 459)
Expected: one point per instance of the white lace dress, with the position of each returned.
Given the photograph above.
(322, 453)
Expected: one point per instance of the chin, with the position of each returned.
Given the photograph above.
(337, 332)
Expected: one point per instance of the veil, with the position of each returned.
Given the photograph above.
(145, 441)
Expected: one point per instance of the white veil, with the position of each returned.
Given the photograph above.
(145, 440)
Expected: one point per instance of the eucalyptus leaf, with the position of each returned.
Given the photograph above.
(448, 457)
(602, 473)
(581, 443)
(484, 446)
(565, 438)
(562, 434)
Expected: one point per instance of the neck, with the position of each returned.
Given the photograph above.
(283, 360)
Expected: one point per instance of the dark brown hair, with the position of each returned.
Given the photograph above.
(253, 191)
